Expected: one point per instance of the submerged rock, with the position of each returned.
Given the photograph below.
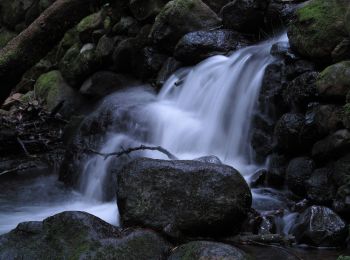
(182, 197)
(179, 17)
(320, 226)
(79, 235)
(206, 250)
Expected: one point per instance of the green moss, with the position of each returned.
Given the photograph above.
(89, 22)
(319, 27)
(47, 87)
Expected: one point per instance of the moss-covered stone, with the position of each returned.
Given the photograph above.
(334, 81)
(70, 38)
(318, 28)
(28, 97)
(47, 87)
(179, 17)
(78, 63)
(79, 235)
(6, 36)
(88, 25)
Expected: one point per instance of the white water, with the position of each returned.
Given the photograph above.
(205, 110)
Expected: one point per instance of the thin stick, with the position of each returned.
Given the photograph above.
(134, 149)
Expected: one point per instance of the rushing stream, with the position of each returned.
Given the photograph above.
(200, 111)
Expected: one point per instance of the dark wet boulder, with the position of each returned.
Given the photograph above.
(318, 28)
(88, 25)
(301, 91)
(103, 83)
(258, 178)
(244, 15)
(332, 146)
(197, 46)
(298, 172)
(79, 235)
(327, 118)
(179, 17)
(289, 133)
(320, 226)
(334, 81)
(206, 250)
(182, 197)
(320, 188)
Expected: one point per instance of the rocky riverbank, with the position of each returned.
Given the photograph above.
(181, 209)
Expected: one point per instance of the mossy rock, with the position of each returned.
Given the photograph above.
(79, 235)
(70, 38)
(28, 97)
(318, 28)
(179, 17)
(145, 9)
(6, 36)
(87, 25)
(343, 257)
(334, 81)
(51, 89)
(78, 63)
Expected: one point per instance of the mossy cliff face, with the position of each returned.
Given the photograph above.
(318, 28)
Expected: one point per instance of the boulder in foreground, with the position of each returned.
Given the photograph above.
(182, 197)
(79, 235)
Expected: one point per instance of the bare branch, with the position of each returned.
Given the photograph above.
(134, 149)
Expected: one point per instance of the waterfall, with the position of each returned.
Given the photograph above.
(204, 110)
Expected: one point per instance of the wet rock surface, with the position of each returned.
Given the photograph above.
(190, 197)
(320, 226)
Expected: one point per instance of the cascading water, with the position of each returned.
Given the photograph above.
(205, 110)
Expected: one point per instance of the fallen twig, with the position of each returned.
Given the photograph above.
(134, 149)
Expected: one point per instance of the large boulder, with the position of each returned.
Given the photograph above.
(244, 15)
(179, 17)
(319, 28)
(182, 197)
(320, 226)
(298, 172)
(334, 81)
(79, 235)
(197, 46)
(206, 250)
